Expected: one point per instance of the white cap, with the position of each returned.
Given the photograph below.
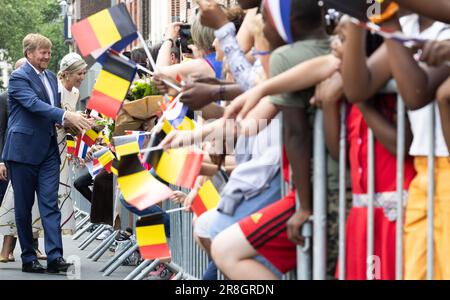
(69, 60)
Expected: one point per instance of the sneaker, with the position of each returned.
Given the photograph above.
(133, 260)
(161, 273)
(113, 247)
(119, 246)
(123, 235)
(93, 228)
(105, 233)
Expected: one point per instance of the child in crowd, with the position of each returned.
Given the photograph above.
(379, 114)
(418, 84)
(264, 233)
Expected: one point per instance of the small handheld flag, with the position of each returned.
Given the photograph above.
(71, 144)
(208, 196)
(97, 167)
(112, 85)
(140, 136)
(180, 167)
(105, 158)
(112, 27)
(90, 137)
(138, 186)
(176, 116)
(81, 149)
(114, 167)
(151, 237)
(126, 145)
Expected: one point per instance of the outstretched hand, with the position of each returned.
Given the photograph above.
(211, 14)
(198, 95)
(243, 104)
(178, 139)
(78, 121)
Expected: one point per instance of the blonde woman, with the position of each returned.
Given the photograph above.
(205, 61)
(70, 76)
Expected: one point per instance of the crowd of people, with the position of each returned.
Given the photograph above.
(257, 75)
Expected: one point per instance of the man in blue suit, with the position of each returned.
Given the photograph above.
(31, 151)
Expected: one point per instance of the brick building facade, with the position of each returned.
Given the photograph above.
(150, 16)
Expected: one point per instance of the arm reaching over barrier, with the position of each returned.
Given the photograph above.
(286, 82)
(363, 77)
(440, 10)
(443, 95)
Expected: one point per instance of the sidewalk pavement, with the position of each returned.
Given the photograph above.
(89, 269)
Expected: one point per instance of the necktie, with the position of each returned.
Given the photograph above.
(47, 88)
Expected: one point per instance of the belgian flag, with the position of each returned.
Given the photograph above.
(71, 144)
(154, 157)
(140, 136)
(138, 186)
(126, 145)
(208, 196)
(114, 167)
(109, 28)
(105, 158)
(151, 237)
(112, 85)
(180, 167)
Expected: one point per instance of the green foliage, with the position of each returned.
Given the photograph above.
(20, 17)
(142, 88)
(109, 124)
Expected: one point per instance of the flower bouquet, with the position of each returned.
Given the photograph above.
(143, 100)
(141, 105)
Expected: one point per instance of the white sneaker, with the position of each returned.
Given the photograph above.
(105, 233)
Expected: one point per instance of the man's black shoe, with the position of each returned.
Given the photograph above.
(33, 267)
(58, 265)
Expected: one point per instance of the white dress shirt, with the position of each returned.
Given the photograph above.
(43, 76)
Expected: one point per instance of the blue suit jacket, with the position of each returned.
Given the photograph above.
(32, 118)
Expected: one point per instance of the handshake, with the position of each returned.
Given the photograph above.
(76, 122)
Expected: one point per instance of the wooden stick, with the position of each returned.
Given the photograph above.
(175, 210)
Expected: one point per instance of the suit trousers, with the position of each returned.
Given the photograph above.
(43, 180)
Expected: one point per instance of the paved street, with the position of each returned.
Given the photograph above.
(89, 269)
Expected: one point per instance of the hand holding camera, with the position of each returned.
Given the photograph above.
(173, 31)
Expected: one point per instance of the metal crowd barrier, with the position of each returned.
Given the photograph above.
(185, 252)
(431, 192)
(319, 214)
(191, 261)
